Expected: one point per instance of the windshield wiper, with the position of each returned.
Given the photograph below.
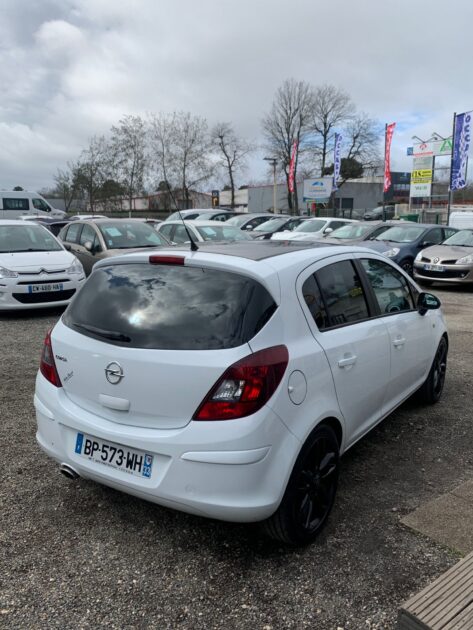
(106, 334)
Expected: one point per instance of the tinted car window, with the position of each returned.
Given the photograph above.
(166, 230)
(315, 303)
(448, 232)
(39, 204)
(434, 236)
(170, 307)
(15, 204)
(342, 293)
(390, 287)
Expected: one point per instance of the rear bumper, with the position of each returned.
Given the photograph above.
(229, 470)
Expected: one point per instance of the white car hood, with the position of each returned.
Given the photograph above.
(34, 261)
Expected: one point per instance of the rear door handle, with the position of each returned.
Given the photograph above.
(398, 343)
(347, 361)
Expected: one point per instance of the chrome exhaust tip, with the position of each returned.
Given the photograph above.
(68, 471)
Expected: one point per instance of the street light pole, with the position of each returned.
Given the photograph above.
(273, 162)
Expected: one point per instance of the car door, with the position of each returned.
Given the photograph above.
(88, 257)
(355, 344)
(411, 338)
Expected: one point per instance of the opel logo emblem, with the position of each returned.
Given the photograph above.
(435, 260)
(114, 373)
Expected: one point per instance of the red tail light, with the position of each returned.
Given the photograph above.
(47, 365)
(245, 386)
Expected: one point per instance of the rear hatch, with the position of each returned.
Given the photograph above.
(142, 344)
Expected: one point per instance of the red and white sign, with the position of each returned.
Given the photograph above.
(387, 156)
(292, 166)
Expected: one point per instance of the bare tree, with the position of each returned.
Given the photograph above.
(94, 170)
(232, 152)
(128, 155)
(362, 136)
(180, 146)
(332, 108)
(288, 121)
(68, 183)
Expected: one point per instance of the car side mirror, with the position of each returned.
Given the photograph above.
(89, 246)
(427, 244)
(427, 302)
(328, 231)
(67, 246)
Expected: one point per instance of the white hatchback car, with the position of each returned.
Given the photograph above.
(35, 269)
(226, 382)
(312, 229)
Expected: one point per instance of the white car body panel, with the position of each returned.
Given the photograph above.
(233, 470)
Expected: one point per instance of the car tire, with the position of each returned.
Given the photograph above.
(310, 492)
(407, 265)
(431, 391)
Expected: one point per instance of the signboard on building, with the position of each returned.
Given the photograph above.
(432, 148)
(318, 189)
(422, 163)
(422, 176)
(420, 190)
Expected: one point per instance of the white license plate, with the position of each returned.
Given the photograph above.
(127, 460)
(36, 288)
(434, 268)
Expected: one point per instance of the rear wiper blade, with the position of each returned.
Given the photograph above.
(106, 334)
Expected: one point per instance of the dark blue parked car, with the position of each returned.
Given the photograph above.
(403, 241)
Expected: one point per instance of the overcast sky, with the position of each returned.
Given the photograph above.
(71, 69)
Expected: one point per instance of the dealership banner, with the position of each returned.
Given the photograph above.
(420, 190)
(292, 166)
(337, 159)
(461, 146)
(318, 189)
(387, 156)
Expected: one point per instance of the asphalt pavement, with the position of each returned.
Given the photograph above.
(80, 555)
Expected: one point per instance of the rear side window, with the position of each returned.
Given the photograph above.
(389, 286)
(170, 307)
(15, 204)
(73, 232)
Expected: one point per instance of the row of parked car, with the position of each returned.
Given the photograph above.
(38, 269)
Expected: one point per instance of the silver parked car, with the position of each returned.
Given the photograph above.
(451, 261)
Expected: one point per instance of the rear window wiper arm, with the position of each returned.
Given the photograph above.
(107, 334)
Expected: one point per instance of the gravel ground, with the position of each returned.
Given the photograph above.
(79, 555)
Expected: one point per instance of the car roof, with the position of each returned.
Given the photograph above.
(17, 222)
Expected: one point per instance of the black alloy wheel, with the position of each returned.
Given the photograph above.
(311, 490)
(407, 266)
(431, 390)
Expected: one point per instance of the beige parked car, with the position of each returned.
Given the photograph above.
(451, 261)
(93, 240)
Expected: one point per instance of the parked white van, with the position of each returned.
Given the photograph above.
(461, 219)
(17, 203)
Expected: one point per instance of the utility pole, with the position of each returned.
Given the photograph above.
(273, 161)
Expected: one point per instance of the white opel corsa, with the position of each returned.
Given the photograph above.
(226, 382)
(35, 269)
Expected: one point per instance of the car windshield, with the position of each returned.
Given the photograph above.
(463, 238)
(27, 238)
(353, 230)
(401, 234)
(239, 220)
(222, 232)
(129, 234)
(311, 226)
(270, 226)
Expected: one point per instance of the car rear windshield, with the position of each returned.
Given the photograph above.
(170, 307)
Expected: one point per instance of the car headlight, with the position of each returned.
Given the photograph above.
(418, 257)
(6, 273)
(466, 260)
(392, 252)
(76, 267)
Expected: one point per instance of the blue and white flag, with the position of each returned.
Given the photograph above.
(461, 146)
(337, 160)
